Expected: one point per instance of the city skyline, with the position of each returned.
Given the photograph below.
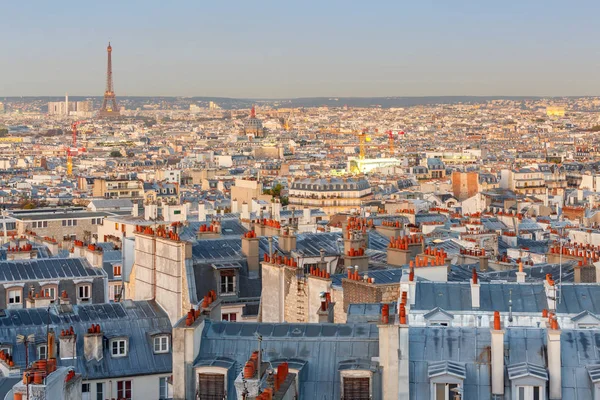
(315, 50)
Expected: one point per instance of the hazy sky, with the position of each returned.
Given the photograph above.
(305, 48)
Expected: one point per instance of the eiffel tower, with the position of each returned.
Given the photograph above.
(109, 105)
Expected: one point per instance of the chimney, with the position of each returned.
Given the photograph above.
(92, 343)
(245, 215)
(201, 212)
(51, 341)
(322, 264)
(403, 357)
(250, 249)
(412, 286)
(135, 210)
(475, 290)
(521, 275)
(234, 207)
(550, 288)
(497, 356)
(287, 240)
(67, 344)
(276, 210)
(554, 360)
(306, 215)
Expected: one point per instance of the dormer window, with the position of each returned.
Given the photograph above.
(118, 347)
(161, 344)
(228, 282)
(42, 351)
(445, 378)
(116, 271)
(15, 297)
(84, 292)
(49, 292)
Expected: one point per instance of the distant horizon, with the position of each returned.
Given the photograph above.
(311, 97)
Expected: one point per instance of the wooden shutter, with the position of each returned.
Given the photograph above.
(356, 389)
(211, 386)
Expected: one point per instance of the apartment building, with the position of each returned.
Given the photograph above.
(523, 181)
(332, 195)
(118, 188)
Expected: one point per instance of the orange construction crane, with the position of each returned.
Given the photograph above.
(73, 147)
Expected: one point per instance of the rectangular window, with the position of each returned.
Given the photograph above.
(211, 386)
(357, 389)
(114, 292)
(227, 282)
(124, 390)
(118, 348)
(177, 212)
(229, 317)
(100, 391)
(116, 270)
(49, 292)
(163, 391)
(42, 352)
(529, 393)
(14, 296)
(161, 344)
(74, 222)
(445, 391)
(6, 349)
(83, 292)
(116, 226)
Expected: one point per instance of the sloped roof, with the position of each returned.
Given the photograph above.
(324, 347)
(135, 320)
(47, 268)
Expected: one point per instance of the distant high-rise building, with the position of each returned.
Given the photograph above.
(213, 106)
(109, 105)
(1, 107)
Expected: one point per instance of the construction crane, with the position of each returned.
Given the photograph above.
(71, 150)
(362, 139)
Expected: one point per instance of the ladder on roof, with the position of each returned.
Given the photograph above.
(300, 298)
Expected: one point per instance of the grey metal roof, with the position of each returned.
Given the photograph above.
(578, 297)
(456, 296)
(380, 277)
(47, 268)
(324, 348)
(135, 320)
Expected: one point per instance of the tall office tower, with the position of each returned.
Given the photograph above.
(109, 105)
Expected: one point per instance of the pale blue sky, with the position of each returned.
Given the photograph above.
(301, 48)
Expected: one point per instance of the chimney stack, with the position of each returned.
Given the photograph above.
(521, 275)
(250, 248)
(475, 290)
(554, 360)
(497, 356)
(287, 240)
(92, 343)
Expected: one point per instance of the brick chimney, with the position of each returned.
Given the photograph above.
(497, 356)
(475, 290)
(554, 360)
(250, 248)
(93, 343)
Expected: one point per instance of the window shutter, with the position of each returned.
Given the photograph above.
(211, 386)
(356, 389)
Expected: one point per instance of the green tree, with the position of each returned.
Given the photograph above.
(115, 153)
